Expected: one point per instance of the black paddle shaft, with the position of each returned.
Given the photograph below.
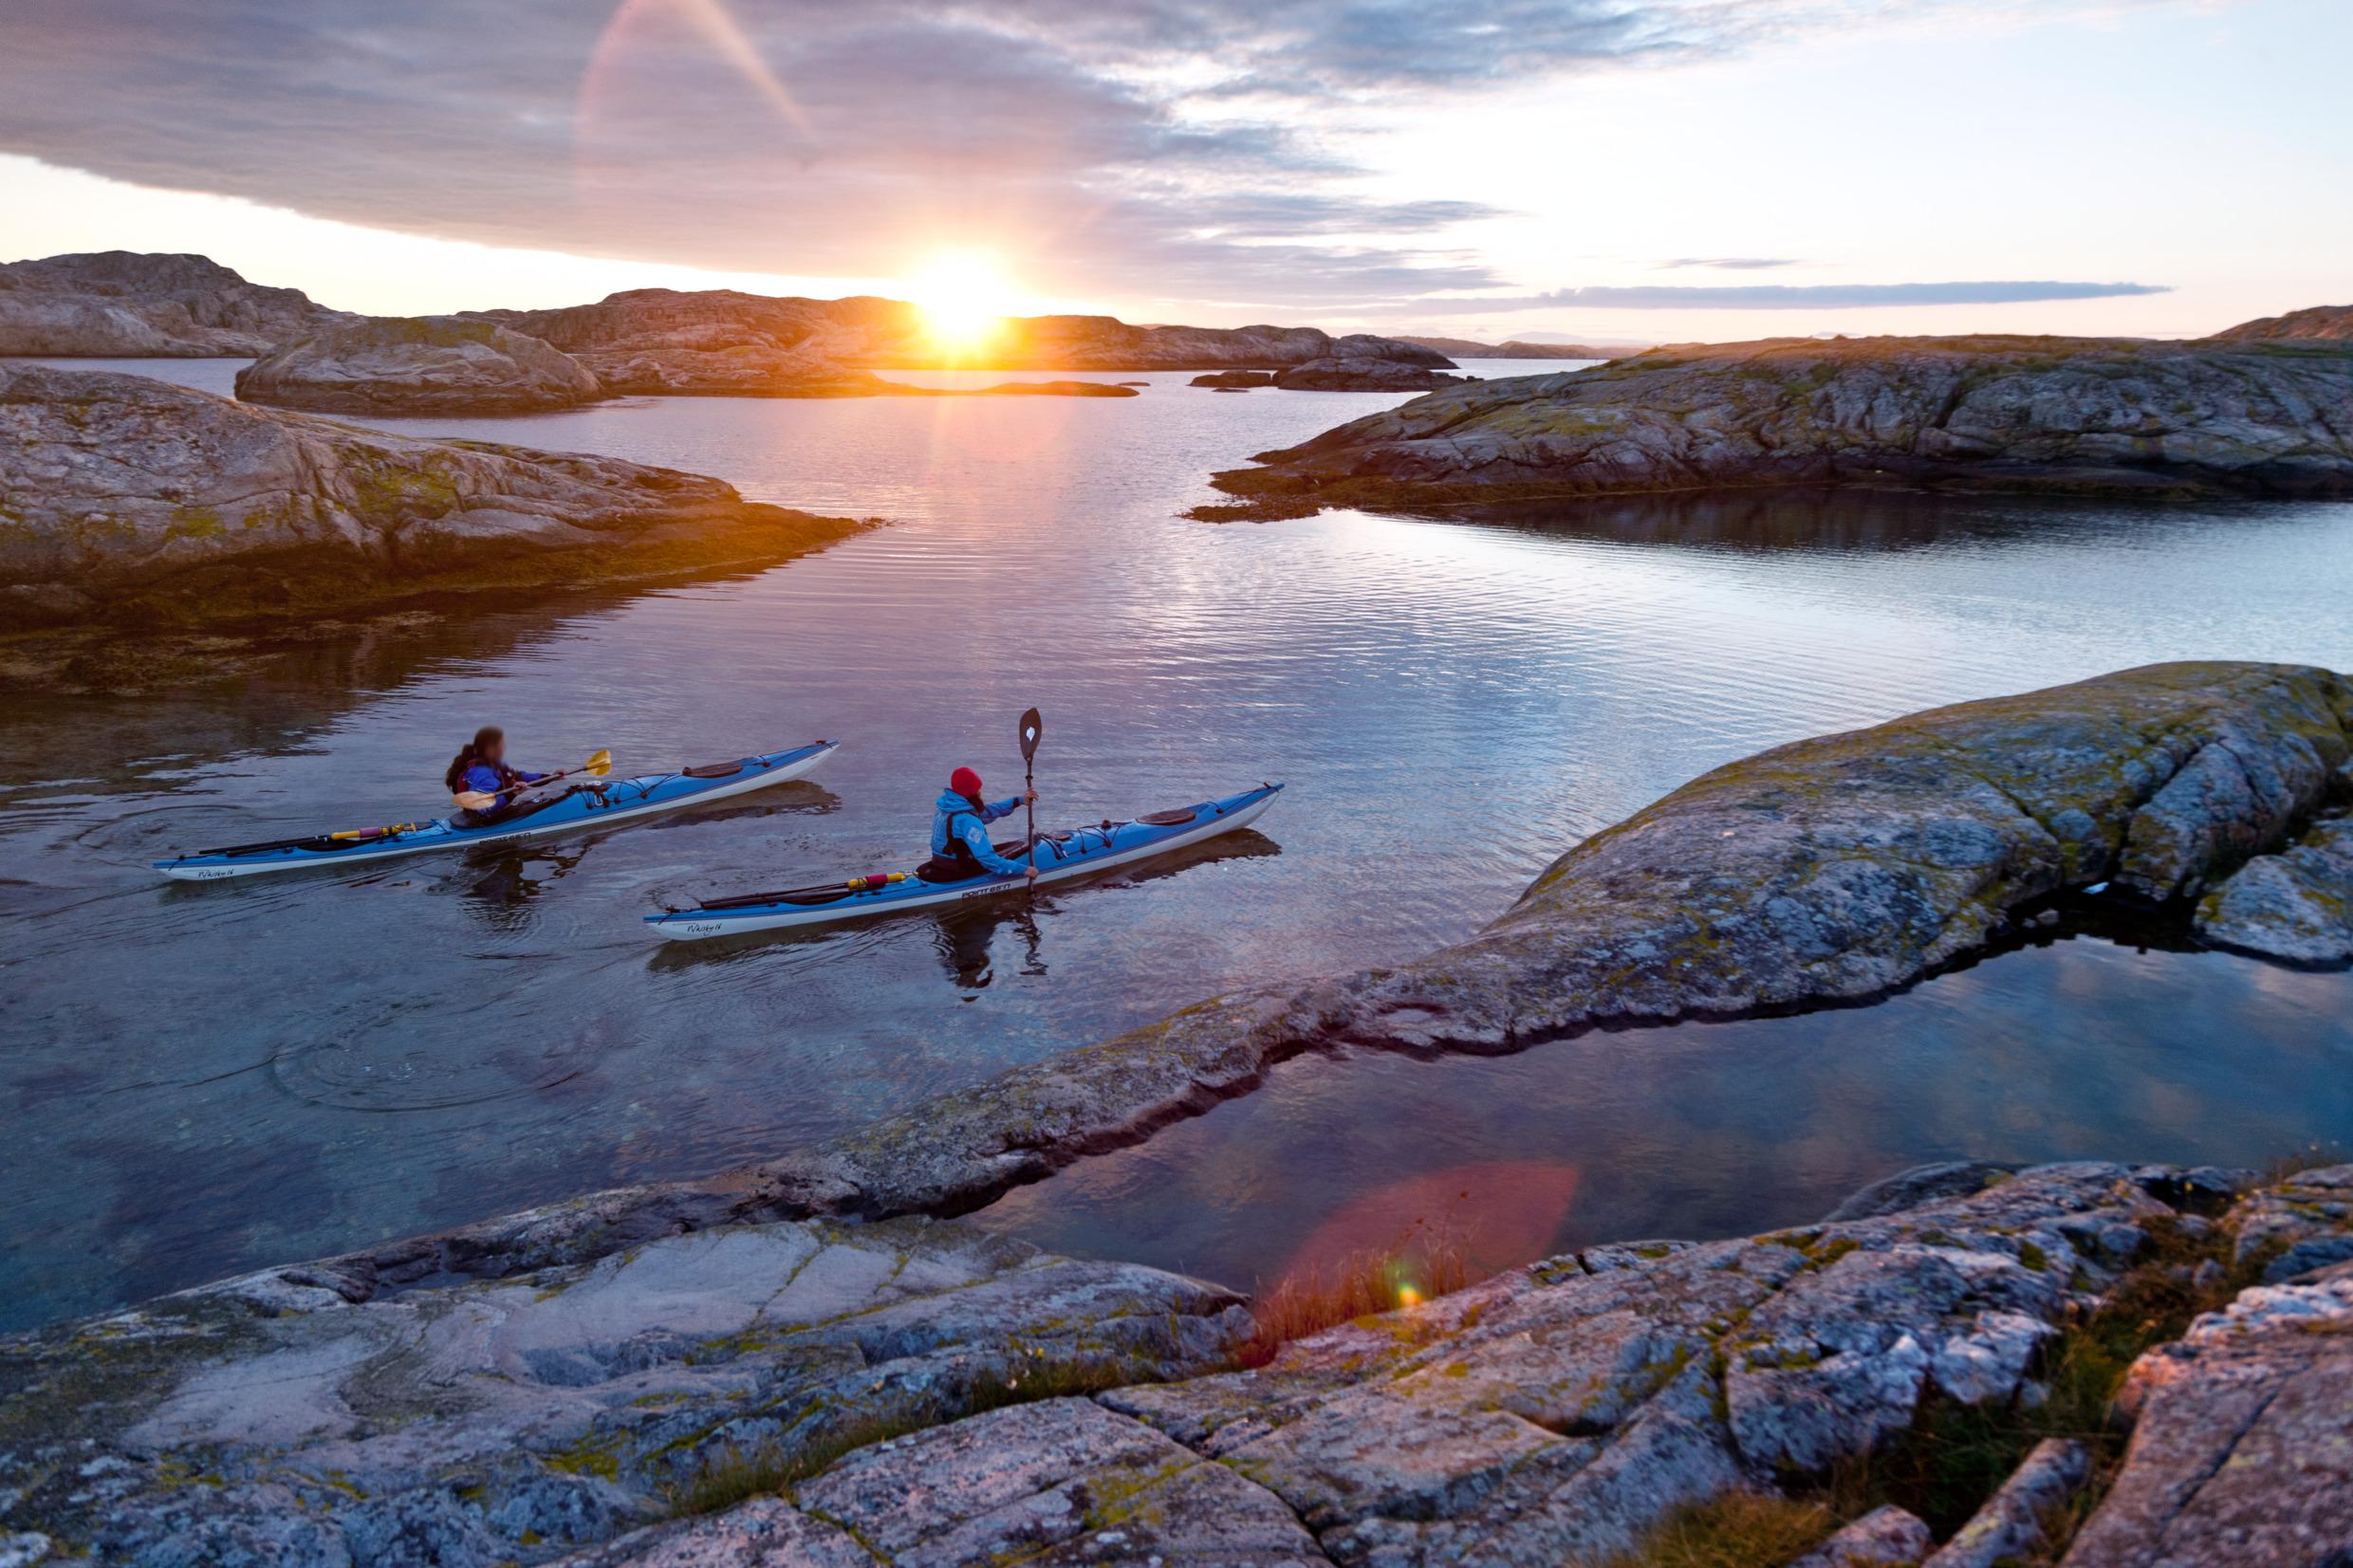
(1032, 728)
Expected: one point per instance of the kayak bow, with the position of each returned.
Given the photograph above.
(615, 802)
(1079, 852)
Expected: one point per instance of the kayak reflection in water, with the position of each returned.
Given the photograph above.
(483, 787)
(960, 819)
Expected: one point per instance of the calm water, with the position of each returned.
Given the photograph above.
(204, 1078)
(2078, 1049)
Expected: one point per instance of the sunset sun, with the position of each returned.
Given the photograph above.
(964, 297)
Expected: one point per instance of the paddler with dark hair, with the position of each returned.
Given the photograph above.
(481, 785)
(960, 822)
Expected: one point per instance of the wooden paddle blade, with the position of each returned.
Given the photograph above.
(1032, 727)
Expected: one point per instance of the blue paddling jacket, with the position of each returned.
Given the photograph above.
(960, 830)
(482, 779)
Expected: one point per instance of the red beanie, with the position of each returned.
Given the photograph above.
(964, 782)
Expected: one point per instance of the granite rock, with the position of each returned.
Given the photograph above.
(1361, 368)
(1554, 1414)
(1515, 348)
(724, 341)
(126, 303)
(2016, 1519)
(419, 365)
(143, 504)
(2296, 905)
(919, 1393)
(2075, 416)
(2300, 1222)
(1884, 1538)
(267, 1421)
(2242, 1445)
(2323, 322)
(1923, 1184)
(721, 341)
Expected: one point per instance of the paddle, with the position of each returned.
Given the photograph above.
(1033, 726)
(597, 767)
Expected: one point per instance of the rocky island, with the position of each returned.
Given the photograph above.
(1104, 342)
(127, 305)
(2101, 1365)
(139, 505)
(2068, 416)
(1514, 348)
(720, 342)
(725, 343)
(1360, 366)
(716, 342)
(2316, 323)
(393, 365)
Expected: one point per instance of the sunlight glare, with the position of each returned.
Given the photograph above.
(964, 298)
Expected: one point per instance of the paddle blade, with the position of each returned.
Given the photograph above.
(1033, 725)
(598, 764)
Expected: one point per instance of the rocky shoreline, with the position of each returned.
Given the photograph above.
(135, 505)
(2133, 1365)
(2060, 415)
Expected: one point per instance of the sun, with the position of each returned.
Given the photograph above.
(964, 297)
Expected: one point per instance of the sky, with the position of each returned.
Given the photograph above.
(1614, 170)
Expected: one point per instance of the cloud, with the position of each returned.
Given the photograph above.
(1728, 264)
(1834, 296)
(1258, 214)
(1187, 142)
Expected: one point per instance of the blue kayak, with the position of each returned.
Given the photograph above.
(1078, 852)
(591, 806)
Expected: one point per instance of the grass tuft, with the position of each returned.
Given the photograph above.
(1362, 1286)
(1736, 1530)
